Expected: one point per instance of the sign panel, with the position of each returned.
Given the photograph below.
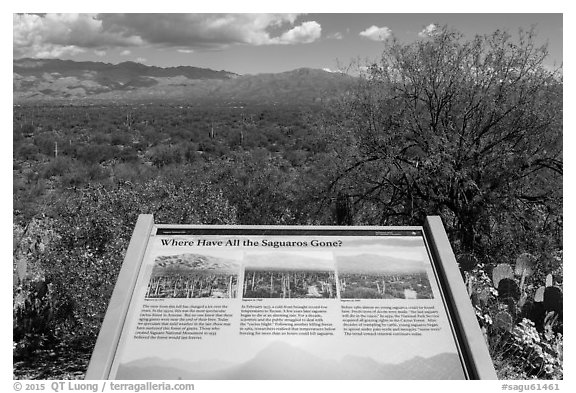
(287, 303)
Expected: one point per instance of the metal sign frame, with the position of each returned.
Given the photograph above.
(469, 337)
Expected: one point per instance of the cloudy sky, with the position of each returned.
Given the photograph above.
(250, 43)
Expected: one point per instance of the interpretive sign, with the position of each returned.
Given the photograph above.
(221, 302)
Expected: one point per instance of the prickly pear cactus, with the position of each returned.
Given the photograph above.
(553, 299)
(500, 272)
(525, 265)
(539, 295)
(507, 288)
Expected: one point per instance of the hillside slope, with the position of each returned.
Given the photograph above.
(64, 80)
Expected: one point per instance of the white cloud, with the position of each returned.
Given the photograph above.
(428, 31)
(141, 60)
(211, 31)
(100, 53)
(376, 33)
(185, 50)
(125, 52)
(52, 35)
(335, 36)
(306, 33)
(49, 51)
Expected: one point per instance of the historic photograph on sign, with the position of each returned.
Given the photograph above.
(289, 275)
(193, 276)
(373, 276)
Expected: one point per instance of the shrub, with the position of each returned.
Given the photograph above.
(27, 151)
(165, 155)
(57, 167)
(46, 143)
(120, 138)
(92, 228)
(92, 154)
(128, 154)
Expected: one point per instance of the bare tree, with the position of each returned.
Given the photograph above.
(454, 127)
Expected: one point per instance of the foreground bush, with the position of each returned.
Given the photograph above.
(77, 254)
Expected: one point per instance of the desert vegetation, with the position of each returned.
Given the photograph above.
(288, 284)
(468, 129)
(193, 285)
(385, 286)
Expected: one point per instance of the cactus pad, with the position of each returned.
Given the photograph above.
(539, 295)
(525, 264)
(553, 299)
(500, 272)
(507, 288)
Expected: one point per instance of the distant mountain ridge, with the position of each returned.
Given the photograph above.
(67, 80)
(283, 361)
(121, 72)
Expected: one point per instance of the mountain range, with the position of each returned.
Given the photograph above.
(39, 80)
(280, 360)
